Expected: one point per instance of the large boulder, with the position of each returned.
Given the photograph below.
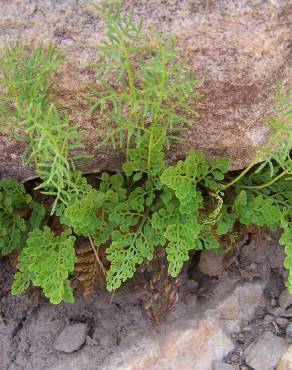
(241, 48)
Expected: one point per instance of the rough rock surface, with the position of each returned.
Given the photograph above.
(286, 360)
(266, 352)
(240, 47)
(285, 299)
(71, 338)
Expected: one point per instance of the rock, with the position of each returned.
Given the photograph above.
(222, 366)
(289, 333)
(90, 341)
(242, 303)
(184, 344)
(231, 327)
(276, 311)
(268, 319)
(211, 263)
(240, 72)
(71, 338)
(285, 299)
(286, 360)
(282, 321)
(141, 353)
(265, 353)
(275, 283)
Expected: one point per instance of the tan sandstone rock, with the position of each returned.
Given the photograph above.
(285, 362)
(241, 48)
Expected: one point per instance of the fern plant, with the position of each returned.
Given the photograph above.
(143, 97)
(26, 108)
(19, 214)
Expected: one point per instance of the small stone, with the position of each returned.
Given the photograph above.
(276, 311)
(268, 319)
(71, 338)
(286, 360)
(244, 367)
(191, 285)
(273, 302)
(231, 326)
(107, 340)
(90, 341)
(287, 313)
(282, 321)
(217, 365)
(289, 330)
(285, 299)
(211, 263)
(266, 352)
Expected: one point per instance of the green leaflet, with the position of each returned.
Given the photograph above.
(257, 210)
(178, 232)
(184, 177)
(148, 156)
(182, 238)
(46, 261)
(13, 227)
(127, 251)
(82, 215)
(226, 221)
(132, 240)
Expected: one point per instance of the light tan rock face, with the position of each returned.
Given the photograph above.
(192, 341)
(240, 47)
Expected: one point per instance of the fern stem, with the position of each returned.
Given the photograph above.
(268, 183)
(149, 155)
(254, 162)
(101, 266)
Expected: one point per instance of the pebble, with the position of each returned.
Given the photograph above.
(71, 338)
(285, 299)
(286, 360)
(276, 311)
(282, 321)
(273, 302)
(287, 313)
(289, 330)
(231, 327)
(217, 365)
(268, 319)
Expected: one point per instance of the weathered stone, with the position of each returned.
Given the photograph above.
(211, 262)
(241, 48)
(286, 360)
(231, 326)
(241, 304)
(138, 352)
(222, 366)
(276, 311)
(268, 319)
(184, 345)
(285, 299)
(71, 338)
(266, 352)
(282, 321)
(289, 333)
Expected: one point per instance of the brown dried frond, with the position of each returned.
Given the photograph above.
(88, 269)
(162, 290)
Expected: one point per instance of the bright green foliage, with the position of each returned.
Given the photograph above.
(142, 82)
(46, 261)
(143, 96)
(27, 106)
(286, 241)
(13, 227)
